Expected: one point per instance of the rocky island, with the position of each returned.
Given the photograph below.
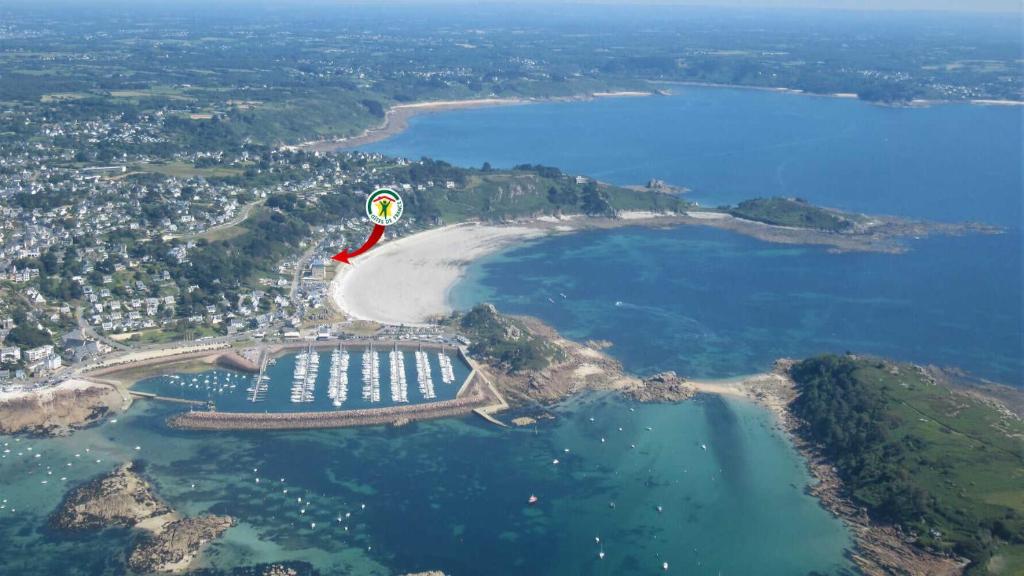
(123, 498)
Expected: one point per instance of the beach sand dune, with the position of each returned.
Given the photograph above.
(406, 281)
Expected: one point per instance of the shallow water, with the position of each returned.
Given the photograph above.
(452, 494)
(711, 303)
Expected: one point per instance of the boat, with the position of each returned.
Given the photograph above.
(399, 384)
(337, 385)
(423, 376)
(447, 368)
(307, 365)
(371, 375)
(532, 499)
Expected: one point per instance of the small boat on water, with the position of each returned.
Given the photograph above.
(532, 499)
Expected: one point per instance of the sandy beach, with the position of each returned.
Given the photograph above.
(396, 119)
(406, 281)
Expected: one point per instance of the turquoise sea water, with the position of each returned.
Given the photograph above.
(711, 303)
(451, 494)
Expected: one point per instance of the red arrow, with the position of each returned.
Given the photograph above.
(345, 255)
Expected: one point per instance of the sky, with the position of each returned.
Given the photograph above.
(939, 5)
(958, 5)
(1014, 6)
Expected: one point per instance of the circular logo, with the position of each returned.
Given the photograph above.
(384, 207)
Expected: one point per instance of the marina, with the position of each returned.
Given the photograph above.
(351, 378)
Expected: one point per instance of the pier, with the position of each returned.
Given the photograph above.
(151, 396)
(259, 387)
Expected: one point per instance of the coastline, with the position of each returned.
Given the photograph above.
(880, 549)
(915, 103)
(396, 118)
(407, 281)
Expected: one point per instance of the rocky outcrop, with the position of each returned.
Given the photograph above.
(662, 387)
(168, 543)
(58, 409)
(122, 498)
(573, 368)
(174, 547)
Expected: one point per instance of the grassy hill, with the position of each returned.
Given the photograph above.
(503, 341)
(945, 465)
(794, 213)
(522, 192)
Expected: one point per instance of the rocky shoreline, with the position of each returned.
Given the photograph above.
(662, 387)
(177, 544)
(575, 368)
(881, 550)
(58, 410)
(167, 542)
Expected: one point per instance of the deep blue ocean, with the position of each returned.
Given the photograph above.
(710, 303)
(949, 162)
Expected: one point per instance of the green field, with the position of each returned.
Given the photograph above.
(185, 170)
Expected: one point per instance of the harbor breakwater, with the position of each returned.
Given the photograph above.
(476, 394)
